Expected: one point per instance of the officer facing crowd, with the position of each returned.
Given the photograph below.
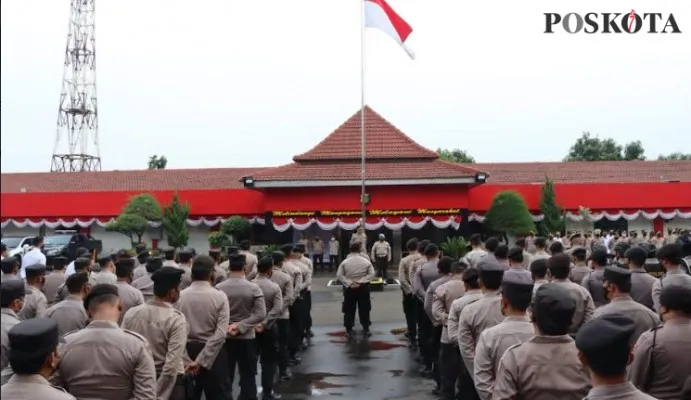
(355, 274)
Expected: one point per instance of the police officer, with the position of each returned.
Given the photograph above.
(560, 267)
(250, 259)
(70, 314)
(107, 272)
(538, 271)
(404, 268)
(431, 356)
(247, 309)
(661, 356)
(381, 254)
(617, 286)
(55, 279)
(207, 313)
(267, 331)
(220, 273)
(140, 265)
(10, 268)
(145, 284)
(604, 346)
(670, 259)
(169, 257)
(165, 329)
(355, 274)
(80, 265)
(423, 277)
(285, 282)
(306, 292)
(580, 268)
(12, 294)
(548, 362)
(516, 264)
(126, 368)
(295, 330)
(129, 296)
(35, 302)
(186, 256)
(593, 280)
(641, 281)
(34, 357)
(516, 296)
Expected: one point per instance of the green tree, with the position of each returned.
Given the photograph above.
(455, 155)
(156, 162)
(592, 148)
(144, 205)
(236, 228)
(218, 240)
(509, 214)
(675, 157)
(130, 225)
(554, 220)
(455, 246)
(174, 222)
(135, 217)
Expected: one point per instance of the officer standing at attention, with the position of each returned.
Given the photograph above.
(618, 290)
(34, 358)
(70, 314)
(12, 294)
(165, 329)
(185, 257)
(247, 310)
(355, 274)
(35, 302)
(103, 361)
(80, 265)
(407, 288)
(220, 273)
(306, 292)
(546, 366)
(661, 356)
(290, 265)
(477, 252)
(10, 268)
(604, 347)
(424, 276)
(107, 272)
(140, 264)
(670, 257)
(381, 254)
(641, 281)
(55, 279)
(516, 264)
(482, 314)
(431, 355)
(267, 331)
(250, 259)
(538, 270)
(516, 296)
(129, 296)
(284, 281)
(560, 267)
(169, 257)
(580, 269)
(145, 284)
(594, 279)
(207, 313)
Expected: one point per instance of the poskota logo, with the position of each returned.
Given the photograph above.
(629, 22)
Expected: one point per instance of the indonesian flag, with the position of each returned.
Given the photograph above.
(379, 15)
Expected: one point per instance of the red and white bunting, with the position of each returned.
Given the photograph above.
(53, 223)
(594, 216)
(371, 223)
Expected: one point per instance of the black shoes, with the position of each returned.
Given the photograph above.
(309, 333)
(294, 361)
(366, 333)
(426, 372)
(285, 376)
(271, 396)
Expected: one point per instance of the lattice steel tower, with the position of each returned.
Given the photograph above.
(76, 142)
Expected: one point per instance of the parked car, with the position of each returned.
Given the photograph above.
(66, 243)
(16, 244)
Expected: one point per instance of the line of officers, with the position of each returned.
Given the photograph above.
(179, 330)
(503, 331)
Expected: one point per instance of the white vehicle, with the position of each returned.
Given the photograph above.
(16, 244)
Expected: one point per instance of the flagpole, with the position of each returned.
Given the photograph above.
(362, 113)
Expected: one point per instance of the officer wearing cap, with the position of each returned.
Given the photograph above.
(247, 310)
(306, 293)
(661, 356)
(207, 313)
(547, 365)
(404, 268)
(670, 257)
(355, 274)
(70, 314)
(540, 249)
(186, 256)
(516, 264)
(221, 274)
(422, 278)
(381, 254)
(617, 287)
(145, 284)
(165, 329)
(594, 279)
(140, 264)
(80, 265)
(284, 280)
(641, 281)
(294, 268)
(604, 346)
(431, 356)
(169, 257)
(55, 279)
(103, 360)
(559, 268)
(107, 272)
(35, 302)
(33, 358)
(250, 259)
(129, 296)
(580, 268)
(12, 294)
(516, 296)
(10, 268)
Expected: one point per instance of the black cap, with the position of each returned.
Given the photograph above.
(124, 266)
(214, 252)
(599, 255)
(34, 270)
(143, 256)
(676, 298)
(515, 251)
(617, 275)
(102, 289)
(167, 275)
(105, 260)
(431, 249)
(299, 248)
(9, 263)
(153, 263)
(601, 334)
(518, 289)
(579, 252)
(33, 338)
(60, 259)
(233, 250)
(11, 290)
(236, 260)
(168, 250)
(471, 274)
(278, 257)
(553, 307)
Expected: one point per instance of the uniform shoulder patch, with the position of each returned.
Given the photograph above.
(138, 336)
(514, 347)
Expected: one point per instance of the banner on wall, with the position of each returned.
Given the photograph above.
(420, 212)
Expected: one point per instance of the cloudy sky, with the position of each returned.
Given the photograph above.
(223, 83)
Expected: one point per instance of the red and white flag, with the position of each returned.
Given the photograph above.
(379, 15)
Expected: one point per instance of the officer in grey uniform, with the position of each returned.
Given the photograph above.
(661, 356)
(12, 292)
(107, 272)
(404, 268)
(482, 314)
(35, 302)
(593, 280)
(34, 357)
(516, 296)
(103, 361)
(306, 292)
(517, 264)
(538, 271)
(423, 277)
(355, 274)
(546, 366)
(580, 268)
(129, 296)
(670, 256)
(165, 329)
(431, 355)
(140, 265)
(618, 287)
(169, 257)
(70, 314)
(207, 313)
(560, 267)
(641, 281)
(284, 281)
(604, 346)
(145, 284)
(295, 330)
(247, 310)
(186, 256)
(540, 249)
(80, 265)
(220, 273)
(55, 279)
(267, 331)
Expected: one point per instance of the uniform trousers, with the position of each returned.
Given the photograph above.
(434, 348)
(409, 310)
(357, 299)
(180, 391)
(424, 333)
(214, 382)
(449, 368)
(296, 331)
(283, 327)
(334, 261)
(267, 347)
(243, 354)
(306, 310)
(466, 385)
(318, 260)
(382, 264)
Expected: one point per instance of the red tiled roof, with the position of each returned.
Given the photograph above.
(383, 141)
(146, 180)
(587, 172)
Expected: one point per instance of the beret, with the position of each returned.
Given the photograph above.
(105, 259)
(33, 338)
(236, 260)
(278, 257)
(167, 274)
(11, 290)
(604, 332)
(214, 252)
(265, 262)
(470, 274)
(579, 252)
(552, 299)
(34, 270)
(616, 274)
